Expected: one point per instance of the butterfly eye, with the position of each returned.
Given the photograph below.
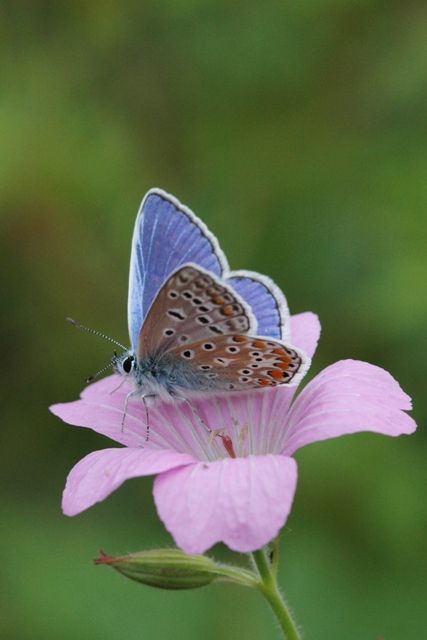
(128, 364)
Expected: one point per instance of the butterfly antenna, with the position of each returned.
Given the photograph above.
(80, 327)
(97, 374)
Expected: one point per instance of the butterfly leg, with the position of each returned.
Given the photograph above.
(125, 409)
(147, 427)
(130, 395)
(118, 387)
(197, 415)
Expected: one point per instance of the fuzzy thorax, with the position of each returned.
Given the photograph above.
(164, 377)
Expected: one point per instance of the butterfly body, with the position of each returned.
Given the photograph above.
(164, 377)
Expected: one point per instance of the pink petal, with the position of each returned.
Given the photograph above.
(174, 426)
(305, 332)
(242, 502)
(102, 472)
(101, 408)
(347, 397)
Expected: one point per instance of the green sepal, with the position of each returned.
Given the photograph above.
(164, 568)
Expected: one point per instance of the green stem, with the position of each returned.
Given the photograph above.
(275, 550)
(237, 575)
(269, 588)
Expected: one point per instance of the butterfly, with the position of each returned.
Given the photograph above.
(195, 327)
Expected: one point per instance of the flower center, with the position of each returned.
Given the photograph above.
(214, 428)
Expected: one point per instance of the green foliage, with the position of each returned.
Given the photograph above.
(297, 131)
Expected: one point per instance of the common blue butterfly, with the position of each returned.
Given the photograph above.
(195, 327)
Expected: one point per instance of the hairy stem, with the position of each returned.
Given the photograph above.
(269, 588)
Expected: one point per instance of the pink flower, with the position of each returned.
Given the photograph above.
(202, 493)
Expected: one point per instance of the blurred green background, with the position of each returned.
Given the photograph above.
(298, 132)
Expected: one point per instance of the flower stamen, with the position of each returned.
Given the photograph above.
(226, 441)
(228, 444)
(243, 439)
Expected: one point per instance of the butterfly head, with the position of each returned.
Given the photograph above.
(124, 363)
(151, 376)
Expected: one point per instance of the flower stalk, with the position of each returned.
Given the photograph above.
(173, 569)
(270, 590)
(274, 555)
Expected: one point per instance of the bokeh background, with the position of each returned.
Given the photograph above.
(298, 132)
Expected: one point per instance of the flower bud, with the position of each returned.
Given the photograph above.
(164, 568)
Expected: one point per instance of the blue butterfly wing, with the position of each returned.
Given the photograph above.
(166, 235)
(266, 300)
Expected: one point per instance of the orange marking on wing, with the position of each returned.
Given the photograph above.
(279, 352)
(217, 299)
(227, 310)
(281, 364)
(259, 344)
(240, 339)
(263, 382)
(276, 375)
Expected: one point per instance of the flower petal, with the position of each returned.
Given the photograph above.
(177, 426)
(102, 472)
(101, 407)
(242, 502)
(305, 332)
(347, 397)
